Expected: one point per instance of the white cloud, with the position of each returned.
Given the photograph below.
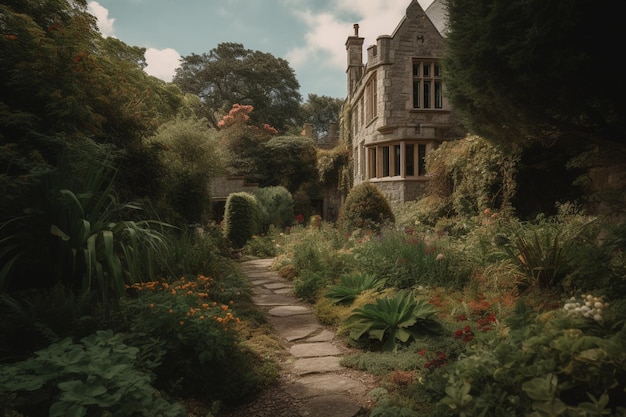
(105, 25)
(375, 18)
(162, 63)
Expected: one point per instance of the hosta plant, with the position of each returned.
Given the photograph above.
(394, 321)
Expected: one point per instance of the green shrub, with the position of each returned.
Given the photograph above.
(559, 364)
(405, 260)
(392, 320)
(365, 208)
(98, 376)
(351, 286)
(75, 238)
(196, 326)
(309, 284)
(276, 207)
(241, 218)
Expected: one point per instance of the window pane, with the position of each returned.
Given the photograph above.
(416, 94)
(410, 160)
(426, 70)
(416, 70)
(396, 160)
(427, 94)
(438, 95)
(437, 70)
(385, 161)
(421, 154)
(372, 163)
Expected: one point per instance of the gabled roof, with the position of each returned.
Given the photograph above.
(437, 14)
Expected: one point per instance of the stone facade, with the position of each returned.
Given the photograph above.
(396, 111)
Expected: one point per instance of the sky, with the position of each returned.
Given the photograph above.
(309, 34)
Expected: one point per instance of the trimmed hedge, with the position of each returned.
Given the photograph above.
(241, 218)
(365, 208)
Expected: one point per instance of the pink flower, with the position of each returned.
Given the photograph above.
(439, 257)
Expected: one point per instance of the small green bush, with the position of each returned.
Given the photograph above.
(365, 208)
(276, 207)
(98, 376)
(241, 218)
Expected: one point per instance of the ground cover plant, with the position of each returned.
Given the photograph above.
(528, 322)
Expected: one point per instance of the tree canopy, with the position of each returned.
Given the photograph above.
(231, 74)
(518, 70)
(321, 111)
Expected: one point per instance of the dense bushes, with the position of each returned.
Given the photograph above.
(365, 208)
(241, 218)
(276, 207)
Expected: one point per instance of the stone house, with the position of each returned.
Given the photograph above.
(396, 110)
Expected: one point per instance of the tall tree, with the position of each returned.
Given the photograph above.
(231, 74)
(520, 69)
(321, 111)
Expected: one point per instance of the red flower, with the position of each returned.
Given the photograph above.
(462, 317)
(458, 334)
(467, 329)
(422, 352)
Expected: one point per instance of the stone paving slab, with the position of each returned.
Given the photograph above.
(306, 366)
(309, 350)
(271, 299)
(324, 336)
(289, 310)
(292, 328)
(277, 285)
(323, 384)
(329, 406)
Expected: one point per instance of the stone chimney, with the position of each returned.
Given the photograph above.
(354, 48)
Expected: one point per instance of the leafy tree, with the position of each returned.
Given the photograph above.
(288, 161)
(537, 69)
(230, 74)
(321, 111)
(191, 161)
(241, 142)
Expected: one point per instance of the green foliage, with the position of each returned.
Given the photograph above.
(407, 259)
(98, 375)
(469, 176)
(308, 285)
(331, 163)
(241, 218)
(392, 320)
(194, 323)
(321, 111)
(190, 157)
(288, 161)
(276, 207)
(541, 249)
(498, 95)
(365, 208)
(351, 286)
(87, 247)
(559, 365)
(230, 74)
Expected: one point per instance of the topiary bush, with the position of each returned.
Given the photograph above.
(365, 208)
(276, 207)
(241, 218)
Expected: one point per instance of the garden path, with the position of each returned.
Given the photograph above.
(313, 383)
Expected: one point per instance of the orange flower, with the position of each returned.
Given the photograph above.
(181, 322)
(151, 305)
